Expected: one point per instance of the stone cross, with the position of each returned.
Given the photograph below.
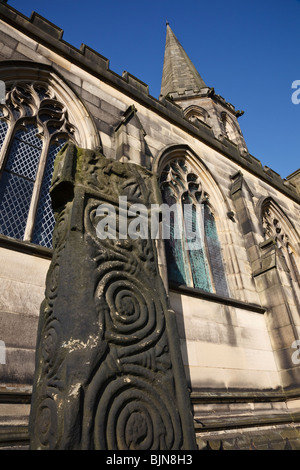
(109, 373)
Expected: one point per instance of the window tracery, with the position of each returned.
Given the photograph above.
(275, 226)
(194, 257)
(34, 126)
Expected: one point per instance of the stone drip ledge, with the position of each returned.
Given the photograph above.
(25, 247)
(194, 292)
(281, 437)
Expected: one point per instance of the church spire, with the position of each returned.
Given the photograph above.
(182, 83)
(179, 73)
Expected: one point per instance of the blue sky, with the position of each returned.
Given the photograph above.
(249, 51)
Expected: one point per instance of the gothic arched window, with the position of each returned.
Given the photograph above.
(193, 250)
(197, 112)
(277, 226)
(34, 126)
(231, 129)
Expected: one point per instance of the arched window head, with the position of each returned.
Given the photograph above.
(192, 246)
(197, 112)
(278, 227)
(230, 128)
(34, 126)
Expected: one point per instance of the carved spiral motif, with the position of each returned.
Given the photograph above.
(105, 379)
(135, 415)
(52, 341)
(131, 313)
(47, 423)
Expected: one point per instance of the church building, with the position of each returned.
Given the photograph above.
(231, 280)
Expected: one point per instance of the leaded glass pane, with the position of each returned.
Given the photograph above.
(178, 269)
(214, 252)
(15, 197)
(44, 223)
(23, 159)
(18, 180)
(196, 246)
(30, 136)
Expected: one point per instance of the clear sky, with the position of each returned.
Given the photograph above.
(249, 51)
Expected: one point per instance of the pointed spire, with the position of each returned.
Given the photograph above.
(179, 73)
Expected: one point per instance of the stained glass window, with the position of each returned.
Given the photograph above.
(18, 181)
(33, 128)
(194, 257)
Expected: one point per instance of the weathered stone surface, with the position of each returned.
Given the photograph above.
(108, 369)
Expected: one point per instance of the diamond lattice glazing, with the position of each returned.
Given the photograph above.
(18, 181)
(44, 218)
(15, 197)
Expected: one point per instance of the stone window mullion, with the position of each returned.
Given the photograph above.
(6, 140)
(36, 192)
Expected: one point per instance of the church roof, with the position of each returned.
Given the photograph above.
(179, 73)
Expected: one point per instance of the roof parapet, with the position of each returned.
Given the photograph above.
(136, 82)
(46, 25)
(52, 36)
(94, 57)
